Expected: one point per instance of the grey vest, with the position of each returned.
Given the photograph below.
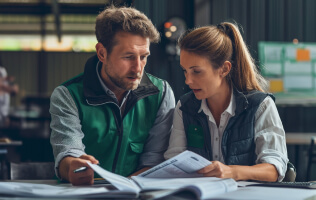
(238, 146)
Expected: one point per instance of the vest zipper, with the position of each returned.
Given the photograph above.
(120, 127)
(120, 135)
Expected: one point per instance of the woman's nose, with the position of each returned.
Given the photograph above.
(188, 80)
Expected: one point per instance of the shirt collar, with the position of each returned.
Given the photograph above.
(232, 105)
(105, 88)
(230, 109)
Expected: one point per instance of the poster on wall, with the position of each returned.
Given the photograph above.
(288, 66)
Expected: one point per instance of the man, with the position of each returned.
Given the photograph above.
(7, 88)
(113, 114)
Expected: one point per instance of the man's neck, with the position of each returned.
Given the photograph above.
(120, 96)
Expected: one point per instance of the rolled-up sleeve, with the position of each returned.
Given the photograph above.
(157, 141)
(66, 136)
(178, 141)
(270, 137)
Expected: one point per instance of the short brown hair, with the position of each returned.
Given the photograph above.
(126, 19)
(224, 43)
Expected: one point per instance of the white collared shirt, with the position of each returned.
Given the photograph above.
(217, 132)
(269, 134)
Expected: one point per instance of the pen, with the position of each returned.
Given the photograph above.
(81, 169)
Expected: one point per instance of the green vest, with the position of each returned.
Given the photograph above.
(116, 141)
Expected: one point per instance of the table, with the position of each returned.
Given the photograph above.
(299, 138)
(295, 98)
(242, 193)
(53, 182)
(264, 193)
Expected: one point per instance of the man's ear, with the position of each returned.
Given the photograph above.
(101, 52)
(227, 66)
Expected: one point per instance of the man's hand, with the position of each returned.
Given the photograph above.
(69, 164)
(219, 170)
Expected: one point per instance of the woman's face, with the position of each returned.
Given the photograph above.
(204, 80)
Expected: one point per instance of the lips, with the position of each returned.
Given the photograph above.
(196, 90)
(134, 77)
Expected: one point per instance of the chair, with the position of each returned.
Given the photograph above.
(290, 173)
(3, 154)
(32, 171)
(311, 158)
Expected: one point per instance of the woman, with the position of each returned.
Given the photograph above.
(227, 117)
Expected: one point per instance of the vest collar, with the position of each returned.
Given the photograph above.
(230, 109)
(192, 105)
(95, 93)
(241, 101)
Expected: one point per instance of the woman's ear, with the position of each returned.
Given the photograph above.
(101, 52)
(227, 66)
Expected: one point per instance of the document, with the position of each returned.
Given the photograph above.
(147, 184)
(175, 176)
(18, 189)
(172, 177)
(197, 190)
(199, 187)
(184, 165)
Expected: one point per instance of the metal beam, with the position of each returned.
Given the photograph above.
(55, 9)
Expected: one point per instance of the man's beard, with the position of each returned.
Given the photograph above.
(120, 83)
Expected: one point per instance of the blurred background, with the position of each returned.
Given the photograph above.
(45, 42)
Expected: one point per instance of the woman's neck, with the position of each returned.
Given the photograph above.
(219, 102)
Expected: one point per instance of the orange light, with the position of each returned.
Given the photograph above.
(168, 24)
(295, 41)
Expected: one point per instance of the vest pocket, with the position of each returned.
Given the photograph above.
(137, 147)
(195, 136)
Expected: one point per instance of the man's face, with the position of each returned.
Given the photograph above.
(123, 68)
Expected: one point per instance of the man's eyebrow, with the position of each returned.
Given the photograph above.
(132, 53)
(127, 53)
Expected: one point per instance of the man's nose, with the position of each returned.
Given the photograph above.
(138, 65)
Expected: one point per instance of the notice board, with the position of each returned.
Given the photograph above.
(288, 66)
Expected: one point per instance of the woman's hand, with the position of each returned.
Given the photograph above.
(259, 172)
(219, 170)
